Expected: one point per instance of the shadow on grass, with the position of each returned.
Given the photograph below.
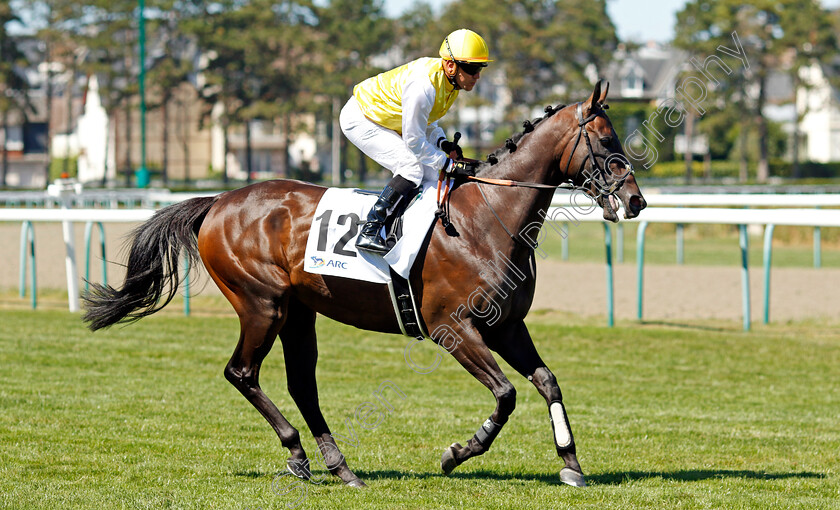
(390, 474)
(616, 478)
(251, 474)
(694, 475)
(680, 325)
(689, 475)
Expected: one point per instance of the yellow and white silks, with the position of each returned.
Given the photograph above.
(392, 117)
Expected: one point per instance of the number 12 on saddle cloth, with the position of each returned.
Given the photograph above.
(331, 246)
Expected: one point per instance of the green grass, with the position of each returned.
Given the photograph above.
(711, 245)
(689, 416)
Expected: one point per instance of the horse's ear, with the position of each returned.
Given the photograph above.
(603, 98)
(593, 99)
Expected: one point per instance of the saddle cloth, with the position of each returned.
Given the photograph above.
(331, 246)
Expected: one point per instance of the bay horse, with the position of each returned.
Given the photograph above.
(252, 240)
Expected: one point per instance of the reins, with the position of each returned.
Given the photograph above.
(502, 223)
(443, 204)
(513, 184)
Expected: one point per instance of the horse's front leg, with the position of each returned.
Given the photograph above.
(472, 353)
(564, 441)
(518, 349)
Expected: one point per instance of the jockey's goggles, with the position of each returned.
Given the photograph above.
(471, 68)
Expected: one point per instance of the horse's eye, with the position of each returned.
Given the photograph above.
(606, 140)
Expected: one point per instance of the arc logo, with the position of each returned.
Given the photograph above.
(316, 262)
(320, 262)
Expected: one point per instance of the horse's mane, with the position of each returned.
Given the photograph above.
(511, 143)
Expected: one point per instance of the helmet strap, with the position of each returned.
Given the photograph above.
(449, 49)
(453, 80)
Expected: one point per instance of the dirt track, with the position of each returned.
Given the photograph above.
(670, 292)
(687, 292)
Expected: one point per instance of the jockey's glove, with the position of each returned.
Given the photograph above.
(447, 147)
(461, 168)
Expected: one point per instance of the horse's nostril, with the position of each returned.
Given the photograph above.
(637, 202)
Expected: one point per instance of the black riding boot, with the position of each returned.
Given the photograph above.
(370, 239)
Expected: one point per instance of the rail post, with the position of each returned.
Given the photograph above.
(745, 274)
(88, 232)
(63, 190)
(27, 239)
(680, 244)
(768, 255)
(640, 266)
(610, 300)
(619, 243)
(817, 246)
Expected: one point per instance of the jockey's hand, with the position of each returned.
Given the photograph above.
(463, 168)
(452, 149)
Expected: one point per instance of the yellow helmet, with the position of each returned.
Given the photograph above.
(464, 45)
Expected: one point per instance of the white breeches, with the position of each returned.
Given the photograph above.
(383, 145)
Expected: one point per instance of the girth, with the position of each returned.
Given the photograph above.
(406, 308)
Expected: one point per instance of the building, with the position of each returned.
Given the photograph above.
(818, 100)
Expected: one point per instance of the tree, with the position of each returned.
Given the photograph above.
(418, 32)
(352, 32)
(548, 49)
(107, 28)
(12, 83)
(170, 68)
(774, 34)
(259, 54)
(60, 52)
(809, 37)
(700, 31)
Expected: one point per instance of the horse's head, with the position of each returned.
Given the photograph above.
(594, 159)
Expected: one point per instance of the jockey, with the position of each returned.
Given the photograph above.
(392, 117)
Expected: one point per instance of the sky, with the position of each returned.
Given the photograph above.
(635, 20)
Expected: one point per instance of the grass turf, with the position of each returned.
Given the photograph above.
(686, 416)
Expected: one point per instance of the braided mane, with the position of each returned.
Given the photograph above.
(528, 126)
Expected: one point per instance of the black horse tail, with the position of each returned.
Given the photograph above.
(152, 270)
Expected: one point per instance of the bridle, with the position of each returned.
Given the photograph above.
(603, 187)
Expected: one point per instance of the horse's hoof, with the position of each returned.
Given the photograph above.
(299, 468)
(447, 461)
(573, 478)
(357, 482)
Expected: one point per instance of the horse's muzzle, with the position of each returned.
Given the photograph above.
(631, 198)
(633, 205)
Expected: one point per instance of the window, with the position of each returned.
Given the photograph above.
(632, 84)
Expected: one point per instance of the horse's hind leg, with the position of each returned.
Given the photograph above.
(300, 350)
(519, 351)
(257, 335)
